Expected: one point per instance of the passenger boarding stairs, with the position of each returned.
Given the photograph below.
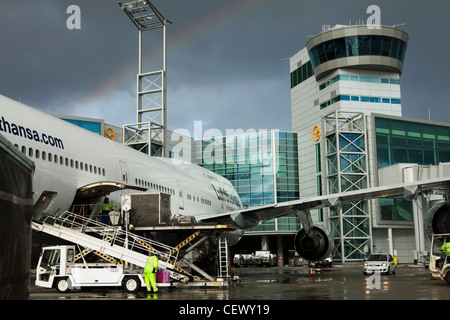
(111, 241)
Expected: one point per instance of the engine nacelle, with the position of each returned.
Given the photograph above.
(438, 219)
(314, 247)
(233, 237)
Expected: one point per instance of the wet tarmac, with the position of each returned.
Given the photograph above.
(341, 282)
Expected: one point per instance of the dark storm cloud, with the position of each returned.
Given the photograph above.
(226, 62)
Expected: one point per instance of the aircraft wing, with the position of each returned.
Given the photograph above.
(248, 218)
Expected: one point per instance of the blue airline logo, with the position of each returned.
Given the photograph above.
(17, 130)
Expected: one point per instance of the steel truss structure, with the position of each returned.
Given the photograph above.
(347, 170)
(148, 135)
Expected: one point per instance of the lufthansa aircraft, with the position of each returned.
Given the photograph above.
(73, 165)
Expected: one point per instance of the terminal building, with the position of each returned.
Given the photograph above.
(263, 168)
(348, 133)
(347, 111)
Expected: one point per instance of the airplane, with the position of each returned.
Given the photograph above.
(74, 165)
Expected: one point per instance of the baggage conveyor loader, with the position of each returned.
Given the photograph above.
(58, 266)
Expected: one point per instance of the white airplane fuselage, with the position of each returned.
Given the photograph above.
(68, 158)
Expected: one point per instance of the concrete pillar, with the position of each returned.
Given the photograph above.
(264, 243)
(391, 242)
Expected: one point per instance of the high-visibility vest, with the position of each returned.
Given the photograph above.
(446, 247)
(107, 206)
(151, 264)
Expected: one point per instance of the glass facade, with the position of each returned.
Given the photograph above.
(355, 78)
(401, 141)
(362, 45)
(263, 168)
(301, 74)
(95, 127)
(344, 97)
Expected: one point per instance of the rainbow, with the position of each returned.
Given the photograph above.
(222, 16)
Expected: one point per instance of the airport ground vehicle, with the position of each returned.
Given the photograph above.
(328, 262)
(381, 262)
(439, 264)
(57, 268)
(259, 258)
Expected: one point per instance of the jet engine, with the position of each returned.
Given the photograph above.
(438, 219)
(316, 245)
(233, 237)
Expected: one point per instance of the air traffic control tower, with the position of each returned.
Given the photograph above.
(343, 75)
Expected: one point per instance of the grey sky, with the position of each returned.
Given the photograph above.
(225, 58)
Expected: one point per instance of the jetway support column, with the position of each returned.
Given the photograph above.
(280, 250)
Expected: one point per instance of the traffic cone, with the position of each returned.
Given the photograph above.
(311, 271)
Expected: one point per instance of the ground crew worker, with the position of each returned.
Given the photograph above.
(446, 248)
(105, 208)
(151, 266)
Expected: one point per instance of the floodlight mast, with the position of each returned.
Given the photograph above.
(148, 136)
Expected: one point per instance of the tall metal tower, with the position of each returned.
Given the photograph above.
(148, 135)
(347, 170)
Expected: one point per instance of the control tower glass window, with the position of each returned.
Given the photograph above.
(362, 45)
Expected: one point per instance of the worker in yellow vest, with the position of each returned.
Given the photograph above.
(446, 249)
(105, 208)
(151, 266)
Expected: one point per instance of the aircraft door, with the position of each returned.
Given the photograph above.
(124, 170)
(180, 195)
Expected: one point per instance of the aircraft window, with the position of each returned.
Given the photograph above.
(95, 169)
(61, 160)
(44, 155)
(24, 150)
(81, 165)
(104, 173)
(76, 164)
(50, 157)
(56, 159)
(90, 168)
(30, 152)
(37, 154)
(71, 163)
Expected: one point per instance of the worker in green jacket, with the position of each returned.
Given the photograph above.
(446, 249)
(151, 266)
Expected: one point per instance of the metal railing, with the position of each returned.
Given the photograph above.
(113, 235)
